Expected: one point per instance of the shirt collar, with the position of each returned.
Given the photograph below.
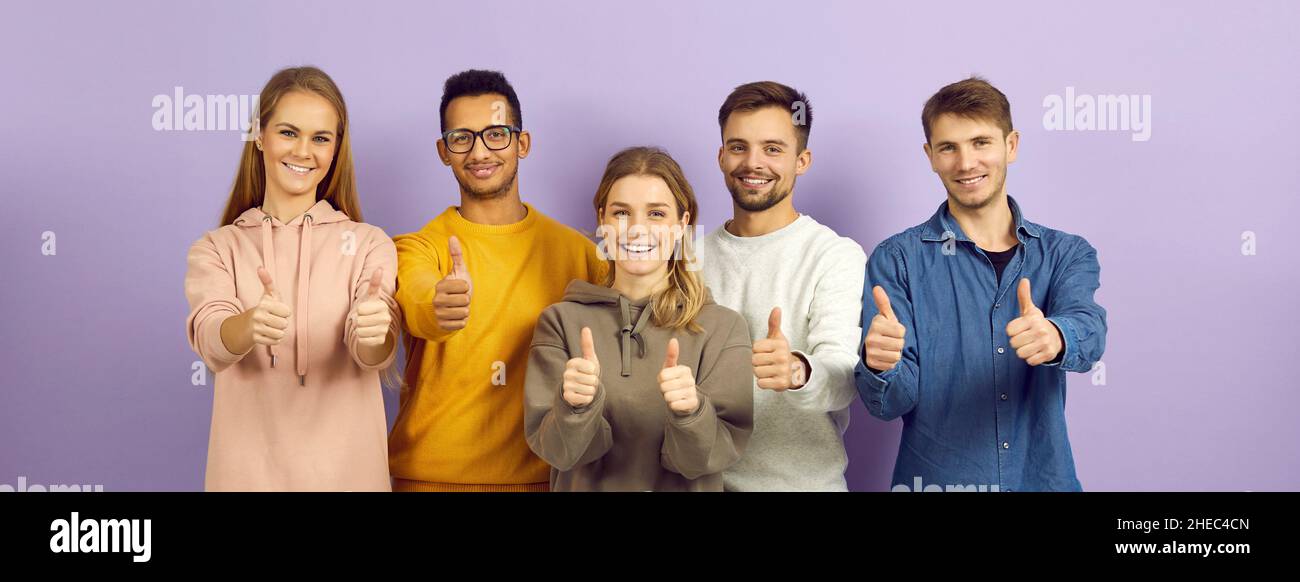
(939, 226)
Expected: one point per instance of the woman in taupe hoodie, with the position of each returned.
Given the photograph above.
(643, 383)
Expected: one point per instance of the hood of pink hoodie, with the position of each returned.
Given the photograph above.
(320, 213)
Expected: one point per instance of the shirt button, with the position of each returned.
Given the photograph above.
(1000, 350)
(1004, 395)
(1006, 445)
(997, 305)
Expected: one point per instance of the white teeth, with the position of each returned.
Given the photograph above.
(638, 248)
(755, 181)
(971, 180)
(299, 169)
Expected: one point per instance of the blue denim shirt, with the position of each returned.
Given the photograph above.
(975, 415)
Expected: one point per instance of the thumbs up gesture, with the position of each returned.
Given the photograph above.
(371, 314)
(1035, 339)
(775, 367)
(678, 383)
(883, 346)
(270, 317)
(582, 375)
(451, 294)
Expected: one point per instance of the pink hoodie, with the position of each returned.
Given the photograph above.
(306, 414)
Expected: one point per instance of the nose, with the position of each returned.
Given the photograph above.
(301, 148)
(478, 149)
(753, 162)
(966, 160)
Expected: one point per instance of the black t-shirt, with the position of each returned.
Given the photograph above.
(1000, 259)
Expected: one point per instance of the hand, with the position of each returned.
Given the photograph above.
(582, 375)
(451, 295)
(678, 383)
(774, 365)
(1035, 339)
(371, 315)
(269, 318)
(883, 345)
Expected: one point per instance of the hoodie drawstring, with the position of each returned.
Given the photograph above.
(304, 283)
(268, 261)
(632, 332)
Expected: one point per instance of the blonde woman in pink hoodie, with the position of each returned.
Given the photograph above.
(291, 306)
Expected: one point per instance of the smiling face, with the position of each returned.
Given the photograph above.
(298, 143)
(644, 213)
(971, 155)
(760, 157)
(483, 173)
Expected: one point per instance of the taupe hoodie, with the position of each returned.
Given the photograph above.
(627, 439)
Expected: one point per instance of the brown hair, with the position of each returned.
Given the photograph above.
(339, 186)
(679, 304)
(752, 96)
(972, 98)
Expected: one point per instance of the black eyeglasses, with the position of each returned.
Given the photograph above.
(495, 137)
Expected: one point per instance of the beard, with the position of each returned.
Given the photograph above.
(486, 192)
(751, 204)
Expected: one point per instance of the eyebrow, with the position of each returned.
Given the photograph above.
(652, 204)
(295, 128)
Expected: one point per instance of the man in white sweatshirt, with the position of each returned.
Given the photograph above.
(799, 285)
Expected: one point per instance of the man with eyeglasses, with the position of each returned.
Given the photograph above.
(471, 284)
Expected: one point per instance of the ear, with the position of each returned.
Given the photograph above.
(686, 219)
(929, 155)
(443, 154)
(803, 162)
(1013, 145)
(722, 150)
(257, 138)
(525, 144)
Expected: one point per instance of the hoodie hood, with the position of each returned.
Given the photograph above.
(634, 315)
(320, 213)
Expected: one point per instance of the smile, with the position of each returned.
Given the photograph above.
(638, 249)
(972, 181)
(300, 170)
(756, 181)
(482, 172)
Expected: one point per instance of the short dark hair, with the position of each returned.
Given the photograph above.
(973, 98)
(752, 96)
(473, 83)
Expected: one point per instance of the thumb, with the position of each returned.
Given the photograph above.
(1026, 298)
(588, 346)
(268, 286)
(457, 259)
(375, 281)
(670, 361)
(882, 303)
(774, 324)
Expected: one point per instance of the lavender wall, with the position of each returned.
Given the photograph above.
(1199, 392)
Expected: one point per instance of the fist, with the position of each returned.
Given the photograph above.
(677, 383)
(883, 346)
(371, 315)
(270, 318)
(775, 367)
(1035, 339)
(582, 375)
(451, 295)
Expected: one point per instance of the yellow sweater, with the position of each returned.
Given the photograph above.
(461, 421)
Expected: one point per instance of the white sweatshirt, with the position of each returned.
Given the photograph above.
(816, 277)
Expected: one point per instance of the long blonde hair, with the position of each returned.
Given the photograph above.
(339, 186)
(677, 305)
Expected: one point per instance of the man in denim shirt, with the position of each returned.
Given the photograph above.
(975, 316)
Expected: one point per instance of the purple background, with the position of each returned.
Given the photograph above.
(1200, 392)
